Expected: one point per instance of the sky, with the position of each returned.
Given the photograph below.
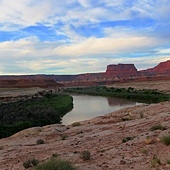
(81, 36)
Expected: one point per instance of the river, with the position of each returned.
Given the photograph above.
(87, 107)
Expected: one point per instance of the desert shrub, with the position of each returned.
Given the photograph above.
(127, 139)
(64, 137)
(145, 151)
(40, 141)
(85, 155)
(30, 163)
(1, 147)
(127, 118)
(27, 164)
(76, 124)
(155, 161)
(35, 162)
(168, 161)
(55, 164)
(54, 155)
(130, 89)
(166, 140)
(80, 132)
(141, 115)
(156, 127)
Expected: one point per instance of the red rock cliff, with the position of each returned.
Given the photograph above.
(121, 69)
(162, 67)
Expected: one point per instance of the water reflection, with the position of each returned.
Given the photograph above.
(118, 101)
(87, 107)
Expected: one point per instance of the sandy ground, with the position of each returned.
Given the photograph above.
(163, 86)
(4, 92)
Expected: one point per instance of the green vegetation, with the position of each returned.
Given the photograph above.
(145, 151)
(85, 155)
(64, 137)
(20, 115)
(76, 124)
(127, 139)
(40, 141)
(127, 118)
(156, 127)
(141, 115)
(155, 161)
(149, 96)
(55, 164)
(30, 163)
(168, 161)
(54, 155)
(166, 140)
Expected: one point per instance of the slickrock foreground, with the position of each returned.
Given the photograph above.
(102, 136)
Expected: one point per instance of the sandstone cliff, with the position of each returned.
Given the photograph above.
(113, 74)
(121, 69)
(163, 68)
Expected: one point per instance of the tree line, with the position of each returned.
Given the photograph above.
(20, 115)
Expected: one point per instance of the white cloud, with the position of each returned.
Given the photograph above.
(92, 54)
(76, 53)
(114, 3)
(85, 3)
(72, 35)
(164, 51)
(107, 45)
(23, 13)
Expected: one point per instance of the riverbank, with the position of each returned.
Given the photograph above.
(130, 93)
(162, 85)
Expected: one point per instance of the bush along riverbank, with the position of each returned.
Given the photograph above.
(20, 115)
(147, 96)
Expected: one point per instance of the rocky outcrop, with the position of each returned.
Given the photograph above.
(121, 69)
(112, 142)
(161, 68)
(27, 82)
(121, 73)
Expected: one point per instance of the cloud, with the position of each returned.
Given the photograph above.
(164, 51)
(30, 55)
(25, 13)
(85, 3)
(107, 45)
(79, 35)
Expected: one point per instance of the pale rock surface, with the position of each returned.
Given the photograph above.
(102, 136)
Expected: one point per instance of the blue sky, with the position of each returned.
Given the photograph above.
(80, 36)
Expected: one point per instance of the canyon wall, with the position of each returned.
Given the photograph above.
(114, 73)
(161, 68)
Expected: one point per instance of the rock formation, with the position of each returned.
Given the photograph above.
(121, 69)
(27, 82)
(113, 73)
(163, 68)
